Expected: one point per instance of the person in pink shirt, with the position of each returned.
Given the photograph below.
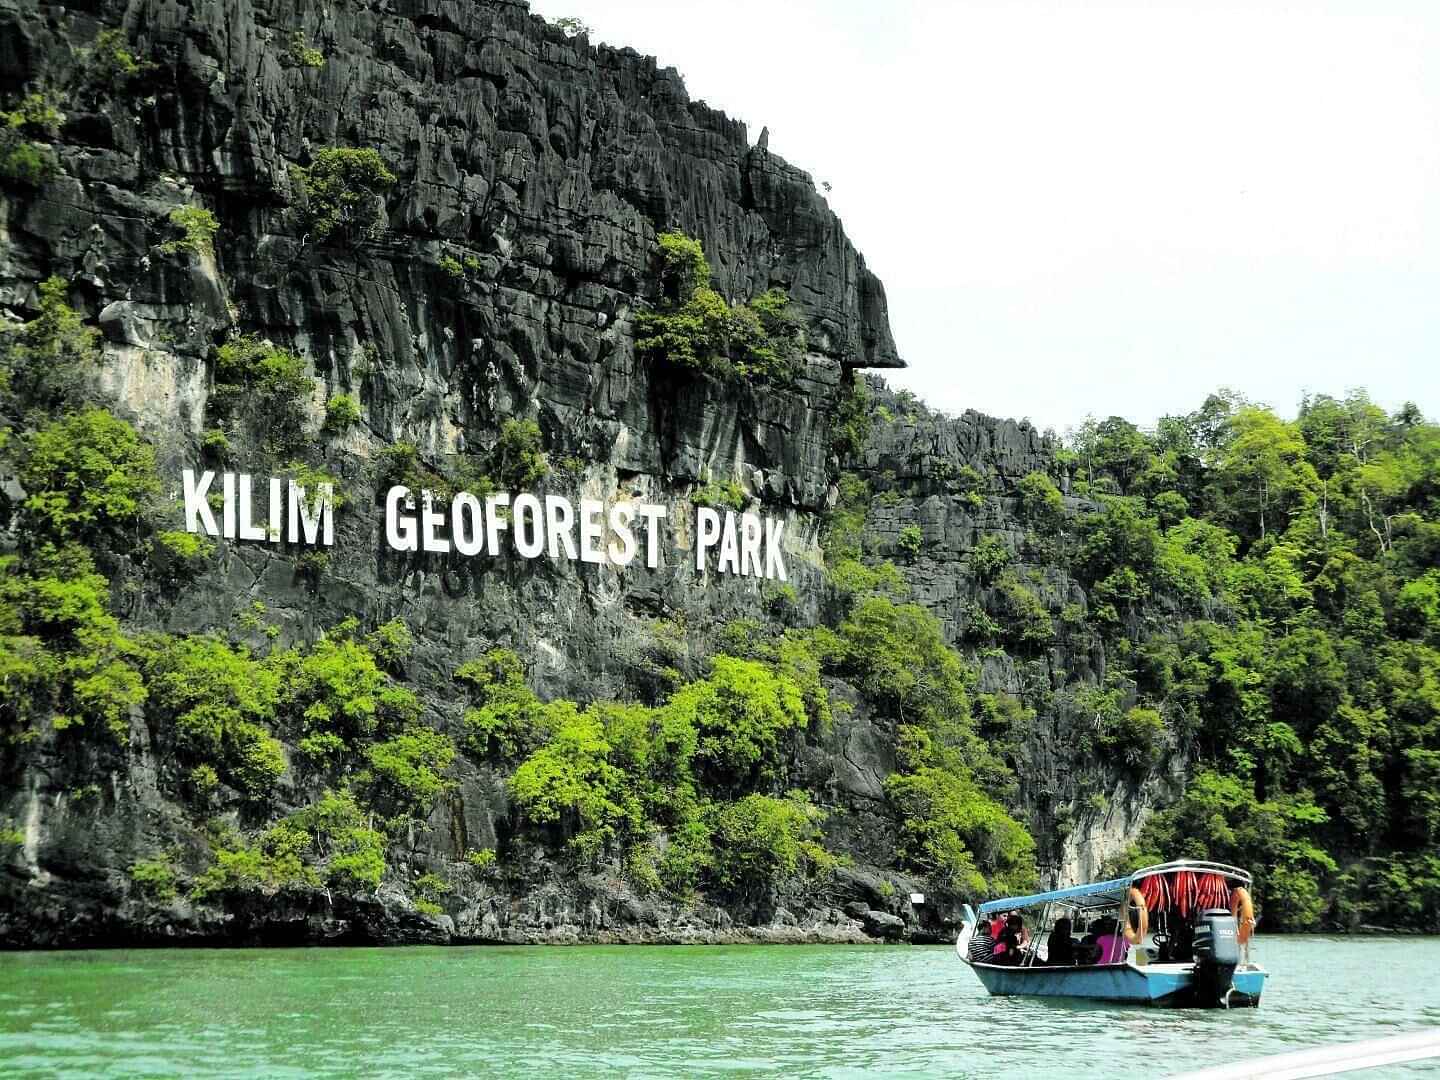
(1113, 947)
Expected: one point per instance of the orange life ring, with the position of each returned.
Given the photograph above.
(1136, 935)
(1243, 908)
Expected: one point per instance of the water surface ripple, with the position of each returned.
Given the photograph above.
(824, 1011)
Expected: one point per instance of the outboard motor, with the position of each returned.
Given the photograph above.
(1217, 955)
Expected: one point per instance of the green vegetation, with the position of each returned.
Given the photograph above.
(721, 495)
(113, 67)
(1041, 502)
(88, 476)
(46, 363)
(910, 541)
(24, 130)
(197, 227)
(409, 769)
(155, 878)
(848, 570)
(187, 551)
(989, 557)
(342, 412)
(302, 54)
(571, 25)
(695, 329)
(341, 191)
(1302, 665)
(760, 840)
(517, 462)
(853, 419)
(265, 384)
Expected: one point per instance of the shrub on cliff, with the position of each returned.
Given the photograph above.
(570, 785)
(113, 67)
(853, 418)
(347, 851)
(218, 701)
(1022, 614)
(760, 841)
(45, 363)
(341, 192)
(695, 329)
(988, 557)
(336, 689)
(409, 769)
(342, 412)
(910, 541)
(23, 161)
(197, 227)
(952, 830)
(1041, 501)
(87, 476)
(273, 863)
(507, 720)
(63, 658)
(302, 53)
(269, 383)
(740, 713)
(897, 655)
(518, 462)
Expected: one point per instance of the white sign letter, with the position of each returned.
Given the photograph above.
(529, 536)
(774, 556)
(430, 520)
(198, 517)
(465, 524)
(559, 518)
(707, 531)
(592, 524)
(494, 522)
(652, 515)
(248, 529)
(399, 528)
(620, 517)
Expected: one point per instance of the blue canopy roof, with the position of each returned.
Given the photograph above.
(1096, 894)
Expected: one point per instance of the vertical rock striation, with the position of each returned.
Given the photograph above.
(533, 171)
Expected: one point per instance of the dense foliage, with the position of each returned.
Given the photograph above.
(1268, 593)
(1270, 587)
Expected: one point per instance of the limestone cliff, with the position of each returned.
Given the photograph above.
(532, 173)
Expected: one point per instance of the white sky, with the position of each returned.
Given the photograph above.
(1082, 207)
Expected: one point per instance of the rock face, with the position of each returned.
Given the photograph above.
(1082, 810)
(533, 173)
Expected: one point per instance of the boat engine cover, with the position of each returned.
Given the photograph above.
(1217, 939)
(1217, 954)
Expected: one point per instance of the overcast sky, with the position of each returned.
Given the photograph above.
(1105, 208)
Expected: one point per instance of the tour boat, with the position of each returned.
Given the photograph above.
(1176, 934)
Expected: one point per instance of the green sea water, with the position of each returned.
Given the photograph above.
(661, 1011)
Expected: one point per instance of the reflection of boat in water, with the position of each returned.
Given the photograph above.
(1176, 934)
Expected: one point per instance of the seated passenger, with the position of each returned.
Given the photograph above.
(1060, 948)
(1011, 941)
(1111, 943)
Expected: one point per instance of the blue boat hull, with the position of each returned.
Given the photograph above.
(1170, 985)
